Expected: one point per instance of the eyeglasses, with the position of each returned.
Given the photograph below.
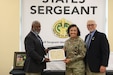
(90, 24)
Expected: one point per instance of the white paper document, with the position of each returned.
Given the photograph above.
(56, 54)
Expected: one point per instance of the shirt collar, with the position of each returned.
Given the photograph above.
(34, 33)
(92, 33)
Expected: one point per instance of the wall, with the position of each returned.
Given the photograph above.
(110, 23)
(9, 32)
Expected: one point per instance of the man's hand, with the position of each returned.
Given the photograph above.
(47, 60)
(46, 50)
(102, 69)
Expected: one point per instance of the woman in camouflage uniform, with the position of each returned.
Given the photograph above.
(75, 52)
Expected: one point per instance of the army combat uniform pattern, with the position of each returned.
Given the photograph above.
(75, 51)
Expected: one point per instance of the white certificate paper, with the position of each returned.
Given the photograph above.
(56, 54)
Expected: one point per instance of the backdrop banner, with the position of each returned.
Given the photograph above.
(56, 15)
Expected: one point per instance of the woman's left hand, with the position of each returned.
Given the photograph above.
(67, 60)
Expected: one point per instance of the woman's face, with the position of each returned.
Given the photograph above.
(73, 32)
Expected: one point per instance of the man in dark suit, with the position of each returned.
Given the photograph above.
(35, 52)
(97, 54)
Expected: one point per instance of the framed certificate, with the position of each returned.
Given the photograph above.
(56, 54)
(19, 58)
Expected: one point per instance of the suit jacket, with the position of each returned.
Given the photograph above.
(98, 52)
(34, 54)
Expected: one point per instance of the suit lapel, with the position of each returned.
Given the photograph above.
(94, 37)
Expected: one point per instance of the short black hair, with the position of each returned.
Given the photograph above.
(73, 25)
